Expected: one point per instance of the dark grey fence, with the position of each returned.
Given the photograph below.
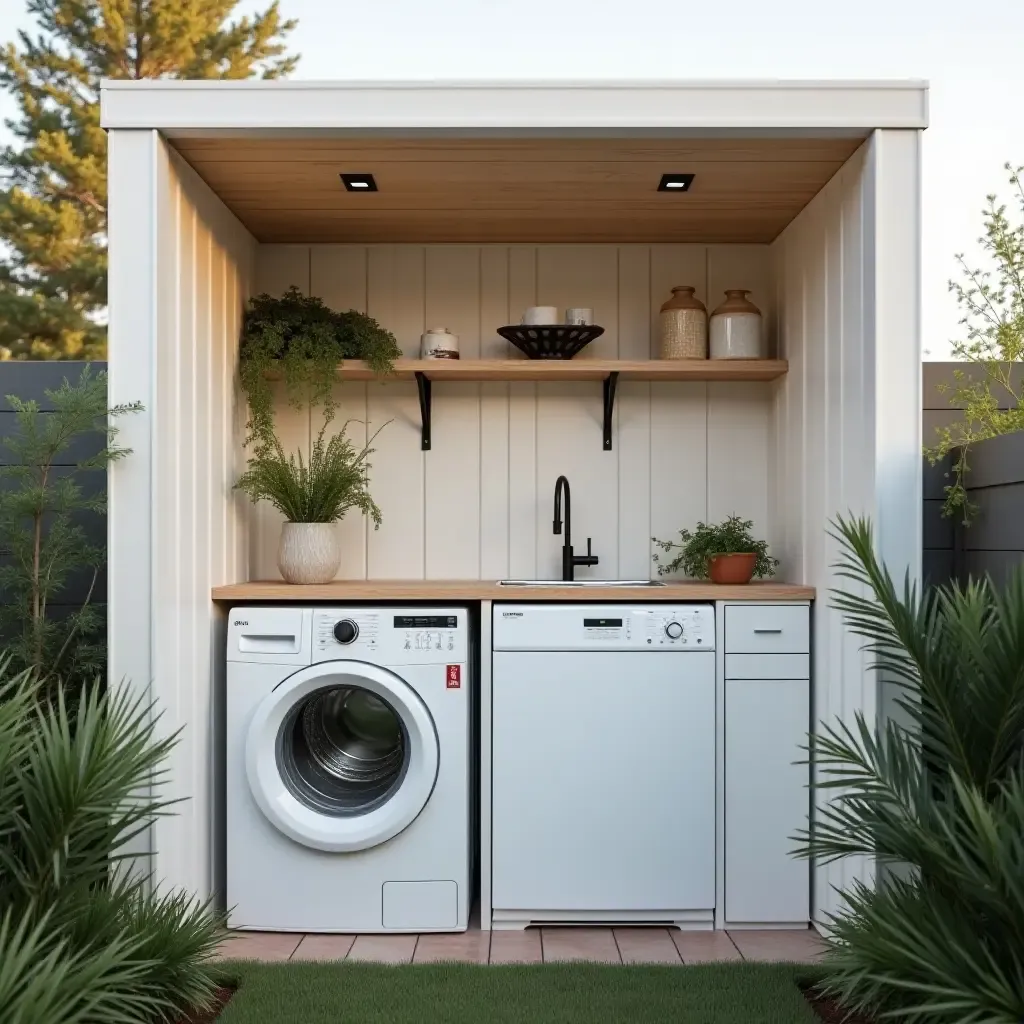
(30, 381)
(993, 544)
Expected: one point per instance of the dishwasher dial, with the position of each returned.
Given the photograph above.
(673, 630)
(346, 631)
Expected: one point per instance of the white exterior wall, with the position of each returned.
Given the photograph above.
(181, 267)
(478, 505)
(846, 428)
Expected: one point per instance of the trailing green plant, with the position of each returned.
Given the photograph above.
(84, 935)
(992, 303)
(936, 792)
(44, 508)
(306, 341)
(320, 490)
(695, 547)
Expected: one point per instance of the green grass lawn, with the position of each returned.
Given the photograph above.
(332, 993)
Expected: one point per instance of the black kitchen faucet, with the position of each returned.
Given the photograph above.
(569, 560)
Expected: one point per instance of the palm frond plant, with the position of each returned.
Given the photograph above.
(318, 490)
(937, 793)
(82, 938)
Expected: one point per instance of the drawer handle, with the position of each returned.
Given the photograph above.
(767, 630)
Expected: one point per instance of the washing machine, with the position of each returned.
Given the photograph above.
(348, 769)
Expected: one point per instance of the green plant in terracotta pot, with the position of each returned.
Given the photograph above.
(724, 553)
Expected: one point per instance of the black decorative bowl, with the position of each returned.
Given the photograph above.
(555, 341)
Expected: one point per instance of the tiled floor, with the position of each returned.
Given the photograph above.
(535, 945)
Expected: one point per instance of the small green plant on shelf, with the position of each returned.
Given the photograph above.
(695, 548)
(321, 489)
(306, 340)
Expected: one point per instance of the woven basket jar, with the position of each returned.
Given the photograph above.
(684, 326)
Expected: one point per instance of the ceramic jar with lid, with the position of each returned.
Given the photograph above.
(684, 326)
(439, 343)
(736, 328)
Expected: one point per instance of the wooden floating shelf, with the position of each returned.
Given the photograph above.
(573, 369)
(608, 371)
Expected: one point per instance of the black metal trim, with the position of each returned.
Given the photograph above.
(423, 386)
(610, 383)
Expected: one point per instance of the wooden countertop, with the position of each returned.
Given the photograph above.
(488, 590)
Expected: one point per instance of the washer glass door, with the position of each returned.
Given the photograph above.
(342, 756)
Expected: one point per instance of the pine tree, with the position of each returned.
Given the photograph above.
(53, 265)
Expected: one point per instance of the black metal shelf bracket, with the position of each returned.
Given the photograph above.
(423, 386)
(610, 383)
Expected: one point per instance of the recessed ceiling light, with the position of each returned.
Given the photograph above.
(675, 182)
(359, 182)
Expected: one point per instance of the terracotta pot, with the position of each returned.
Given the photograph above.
(309, 552)
(734, 568)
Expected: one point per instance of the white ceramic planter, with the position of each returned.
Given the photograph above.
(309, 552)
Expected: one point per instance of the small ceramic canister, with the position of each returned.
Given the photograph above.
(736, 327)
(540, 316)
(439, 343)
(579, 316)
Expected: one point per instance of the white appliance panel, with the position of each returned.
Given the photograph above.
(603, 627)
(603, 781)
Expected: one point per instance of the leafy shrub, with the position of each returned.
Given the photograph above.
(938, 795)
(42, 511)
(728, 538)
(307, 340)
(83, 936)
(991, 299)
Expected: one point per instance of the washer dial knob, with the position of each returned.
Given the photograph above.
(673, 630)
(346, 631)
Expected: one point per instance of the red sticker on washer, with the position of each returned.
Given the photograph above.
(454, 677)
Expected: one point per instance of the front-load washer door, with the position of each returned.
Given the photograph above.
(342, 756)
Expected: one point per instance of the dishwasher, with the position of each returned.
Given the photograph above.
(603, 764)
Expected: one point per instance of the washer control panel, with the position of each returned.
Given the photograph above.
(402, 635)
(428, 632)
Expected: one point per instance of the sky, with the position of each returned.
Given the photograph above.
(970, 53)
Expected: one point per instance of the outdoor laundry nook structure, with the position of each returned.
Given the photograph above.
(490, 198)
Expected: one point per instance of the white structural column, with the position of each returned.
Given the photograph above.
(181, 269)
(132, 234)
(847, 432)
(896, 167)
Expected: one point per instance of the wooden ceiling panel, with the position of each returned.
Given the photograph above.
(503, 190)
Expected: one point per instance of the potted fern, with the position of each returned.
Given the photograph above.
(724, 552)
(313, 496)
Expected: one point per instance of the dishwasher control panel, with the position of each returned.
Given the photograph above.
(584, 627)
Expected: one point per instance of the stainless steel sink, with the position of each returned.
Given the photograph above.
(580, 583)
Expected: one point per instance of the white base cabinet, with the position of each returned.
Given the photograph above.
(767, 718)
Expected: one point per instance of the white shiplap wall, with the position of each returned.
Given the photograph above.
(479, 503)
(204, 271)
(846, 273)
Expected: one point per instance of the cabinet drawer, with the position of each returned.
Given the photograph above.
(767, 629)
(767, 666)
